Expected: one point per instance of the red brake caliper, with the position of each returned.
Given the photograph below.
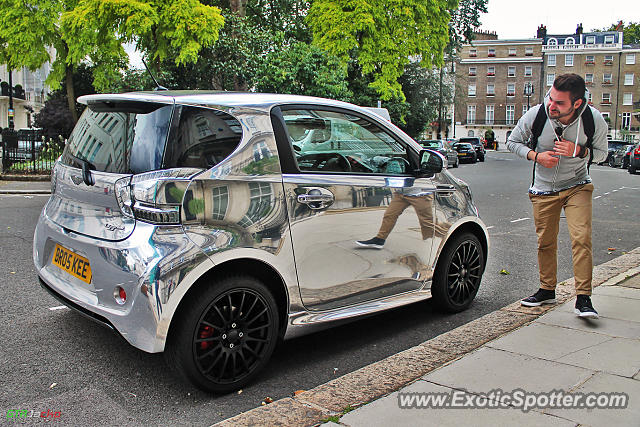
(207, 332)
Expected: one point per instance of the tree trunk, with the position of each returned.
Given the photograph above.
(71, 94)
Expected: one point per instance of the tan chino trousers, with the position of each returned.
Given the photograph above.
(399, 202)
(576, 202)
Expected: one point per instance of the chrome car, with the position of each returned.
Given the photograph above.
(208, 225)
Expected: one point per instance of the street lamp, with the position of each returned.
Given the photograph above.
(528, 91)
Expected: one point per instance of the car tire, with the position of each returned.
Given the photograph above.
(632, 170)
(225, 334)
(482, 159)
(612, 162)
(458, 273)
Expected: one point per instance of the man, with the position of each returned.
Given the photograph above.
(561, 180)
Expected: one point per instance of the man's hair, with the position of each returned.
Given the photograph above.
(572, 83)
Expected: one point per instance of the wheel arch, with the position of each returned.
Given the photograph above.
(255, 268)
(472, 227)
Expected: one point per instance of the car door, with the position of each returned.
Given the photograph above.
(349, 178)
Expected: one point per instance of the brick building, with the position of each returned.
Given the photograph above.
(495, 72)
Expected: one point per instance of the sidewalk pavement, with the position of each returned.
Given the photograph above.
(15, 186)
(544, 349)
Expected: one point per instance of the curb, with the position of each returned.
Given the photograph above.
(7, 177)
(313, 407)
(25, 192)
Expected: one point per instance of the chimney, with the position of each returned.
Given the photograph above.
(620, 26)
(542, 32)
(579, 29)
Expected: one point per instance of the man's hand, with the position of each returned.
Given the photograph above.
(548, 159)
(565, 148)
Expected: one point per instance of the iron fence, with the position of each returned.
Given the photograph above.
(26, 152)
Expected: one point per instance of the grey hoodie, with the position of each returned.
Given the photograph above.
(570, 171)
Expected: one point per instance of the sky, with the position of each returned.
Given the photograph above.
(513, 19)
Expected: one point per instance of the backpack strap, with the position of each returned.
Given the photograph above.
(536, 131)
(589, 127)
(538, 125)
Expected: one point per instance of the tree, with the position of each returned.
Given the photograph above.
(631, 31)
(383, 35)
(94, 31)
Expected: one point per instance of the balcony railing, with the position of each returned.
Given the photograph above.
(484, 122)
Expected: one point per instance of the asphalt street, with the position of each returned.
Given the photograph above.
(54, 359)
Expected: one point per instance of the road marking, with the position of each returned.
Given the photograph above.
(489, 227)
(606, 194)
(597, 197)
(520, 219)
(60, 307)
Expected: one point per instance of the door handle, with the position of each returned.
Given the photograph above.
(316, 198)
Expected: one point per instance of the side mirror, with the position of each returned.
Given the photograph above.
(431, 163)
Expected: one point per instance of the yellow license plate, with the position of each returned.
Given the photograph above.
(72, 263)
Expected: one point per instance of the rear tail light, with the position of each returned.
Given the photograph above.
(154, 197)
(637, 150)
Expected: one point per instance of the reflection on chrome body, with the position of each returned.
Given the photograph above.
(302, 227)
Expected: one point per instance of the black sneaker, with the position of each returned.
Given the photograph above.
(543, 296)
(584, 308)
(376, 243)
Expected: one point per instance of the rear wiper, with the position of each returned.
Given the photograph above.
(87, 166)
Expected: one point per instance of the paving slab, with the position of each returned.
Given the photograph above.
(488, 368)
(386, 412)
(618, 291)
(612, 307)
(618, 356)
(548, 342)
(605, 326)
(606, 383)
(632, 282)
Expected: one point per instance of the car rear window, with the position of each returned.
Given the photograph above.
(137, 137)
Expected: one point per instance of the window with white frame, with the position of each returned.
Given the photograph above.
(491, 51)
(606, 98)
(511, 71)
(627, 99)
(628, 79)
(490, 110)
(491, 89)
(472, 90)
(471, 114)
(512, 51)
(551, 60)
(510, 113)
(608, 39)
(608, 60)
(472, 71)
(569, 41)
(630, 59)
(626, 120)
(588, 78)
(473, 52)
(607, 78)
(550, 78)
(528, 51)
(591, 40)
(552, 42)
(528, 71)
(524, 109)
(568, 60)
(590, 59)
(511, 89)
(605, 115)
(491, 71)
(590, 98)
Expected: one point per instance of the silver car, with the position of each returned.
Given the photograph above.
(209, 225)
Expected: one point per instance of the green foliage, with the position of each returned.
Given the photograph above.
(382, 35)
(303, 69)
(464, 20)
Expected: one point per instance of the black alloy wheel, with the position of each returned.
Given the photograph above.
(458, 274)
(227, 335)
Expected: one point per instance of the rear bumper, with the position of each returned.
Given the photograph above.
(149, 265)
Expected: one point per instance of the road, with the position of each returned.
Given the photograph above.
(53, 359)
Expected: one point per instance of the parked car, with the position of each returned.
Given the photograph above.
(188, 223)
(634, 159)
(614, 144)
(443, 148)
(620, 157)
(466, 152)
(477, 145)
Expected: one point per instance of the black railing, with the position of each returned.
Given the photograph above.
(484, 122)
(26, 152)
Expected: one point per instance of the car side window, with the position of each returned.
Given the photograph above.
(330, 141)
